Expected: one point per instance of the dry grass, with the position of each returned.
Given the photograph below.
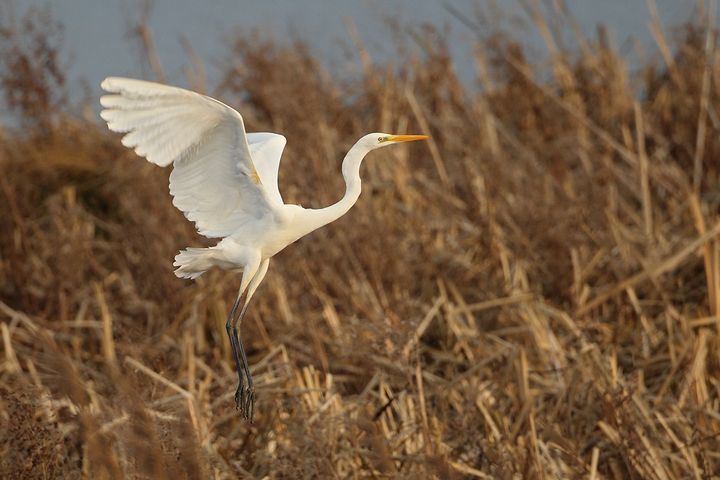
(534, 294)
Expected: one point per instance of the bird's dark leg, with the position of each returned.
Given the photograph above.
(253, 274)
(232, 335)
(247, 397)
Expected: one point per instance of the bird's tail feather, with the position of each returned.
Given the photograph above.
(193, 262)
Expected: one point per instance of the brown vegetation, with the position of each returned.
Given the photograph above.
(533, 294)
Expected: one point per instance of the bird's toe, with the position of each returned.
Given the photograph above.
(245, 400)
(239, 396)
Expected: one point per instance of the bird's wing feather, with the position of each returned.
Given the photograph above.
(214, 179)
(266, 149)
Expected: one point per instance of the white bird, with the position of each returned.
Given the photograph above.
(225, 180)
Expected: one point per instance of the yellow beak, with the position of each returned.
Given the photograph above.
(407, 138)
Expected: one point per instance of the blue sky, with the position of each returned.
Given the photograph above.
(97, 45)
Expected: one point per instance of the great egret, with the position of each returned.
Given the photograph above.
(225, 180)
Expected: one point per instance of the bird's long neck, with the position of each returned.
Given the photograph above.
(351, 173)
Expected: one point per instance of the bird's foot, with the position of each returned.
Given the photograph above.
(245, 401)
(239, 394)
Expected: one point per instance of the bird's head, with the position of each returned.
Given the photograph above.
(372, 141)
(377, 140)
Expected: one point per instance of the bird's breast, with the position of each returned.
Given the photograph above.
(281, 233)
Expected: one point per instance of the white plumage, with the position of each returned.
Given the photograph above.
(214, 180)
(225, 181)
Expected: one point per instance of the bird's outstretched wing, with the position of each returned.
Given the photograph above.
(266, 150)
(214, 180)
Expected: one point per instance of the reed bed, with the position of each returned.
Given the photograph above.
(535, 293)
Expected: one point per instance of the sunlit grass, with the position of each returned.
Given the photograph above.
(535, 293)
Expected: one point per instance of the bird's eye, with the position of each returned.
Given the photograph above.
(380, 139)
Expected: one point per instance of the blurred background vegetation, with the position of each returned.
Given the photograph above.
(534, 293)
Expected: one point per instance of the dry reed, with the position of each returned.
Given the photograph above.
(536, 294)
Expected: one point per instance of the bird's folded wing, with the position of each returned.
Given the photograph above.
(214, 180)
